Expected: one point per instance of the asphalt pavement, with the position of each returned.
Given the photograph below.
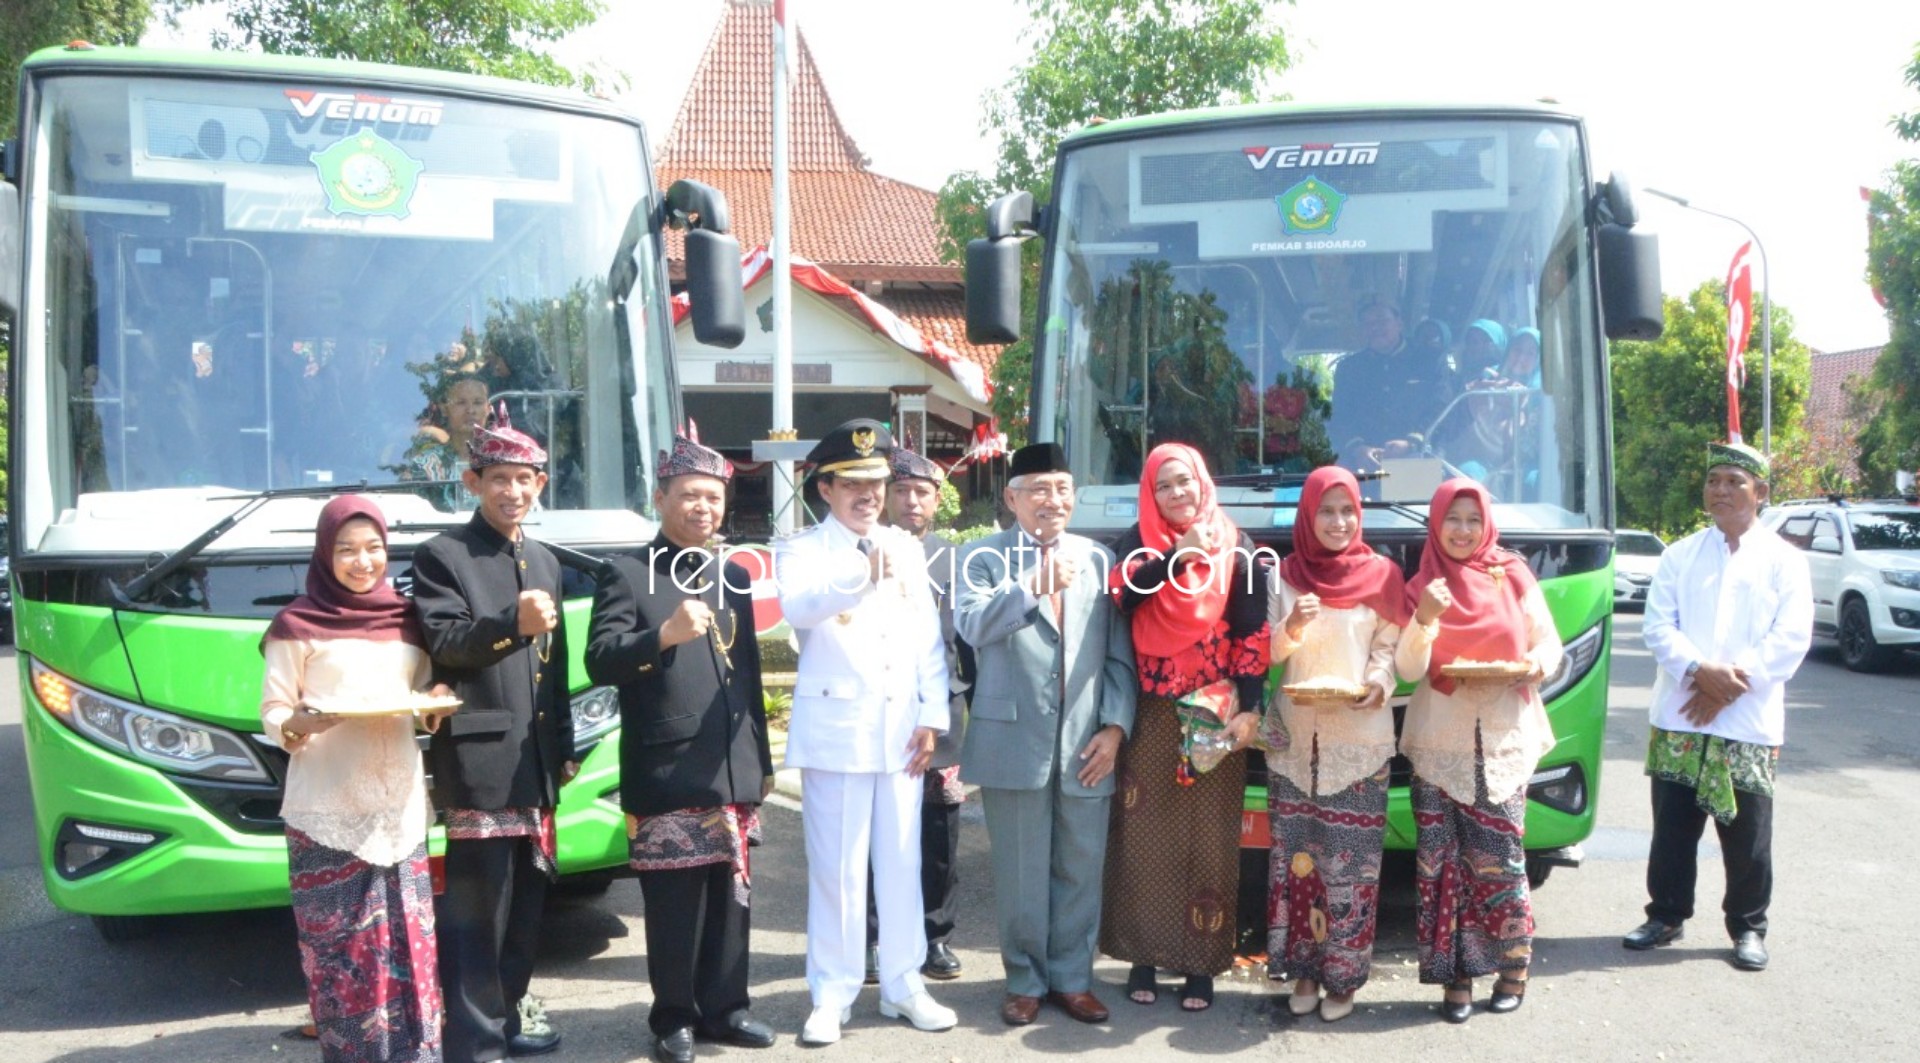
(228, 987)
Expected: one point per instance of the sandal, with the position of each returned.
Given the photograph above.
(1140, 984)
(1453, 1011)
(1199, 987)
(1508, 995)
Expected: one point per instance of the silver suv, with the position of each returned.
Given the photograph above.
(1864, 558)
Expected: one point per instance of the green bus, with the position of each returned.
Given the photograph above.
(1207, 276)
(242, 284)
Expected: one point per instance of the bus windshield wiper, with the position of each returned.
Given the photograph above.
(145, 582)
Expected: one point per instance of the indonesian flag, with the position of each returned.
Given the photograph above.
(1739, 327)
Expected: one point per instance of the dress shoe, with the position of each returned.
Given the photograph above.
(1457, 1012)
(1335, 1008)
(1652, 934)
(873, 965)
(920, 1010)
(744, 1030)
(1508, 995)
(526, 1043)
(942, 965)
(1750, 951)
(1017, 1010)
(674, 1047)
(1084, 1007)
(823, 1026)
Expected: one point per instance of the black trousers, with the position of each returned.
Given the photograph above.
(696, 948)
(939, 870)
(1746, 847)
(489, 928)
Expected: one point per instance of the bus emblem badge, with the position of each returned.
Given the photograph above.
(1310, 207)
(366, 174)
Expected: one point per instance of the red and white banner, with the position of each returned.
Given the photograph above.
(1739, 328)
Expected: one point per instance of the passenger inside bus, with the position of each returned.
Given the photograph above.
(1385, 394)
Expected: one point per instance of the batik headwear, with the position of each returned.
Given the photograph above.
(1193, 601)
(331, 611)
(498, 442)
(1486, 621)
(906, 465)
(1740, 456)
(690, 458)
(857, 450)
(1345, 578)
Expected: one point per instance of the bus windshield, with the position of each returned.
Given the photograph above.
(1409, 297)
(248, 285)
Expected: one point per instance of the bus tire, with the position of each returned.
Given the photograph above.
(1537, 872)
(119, 929)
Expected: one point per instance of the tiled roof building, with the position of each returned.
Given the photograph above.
(1828, 410)
(871, 231)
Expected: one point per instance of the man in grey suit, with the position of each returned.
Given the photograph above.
(1053, 699)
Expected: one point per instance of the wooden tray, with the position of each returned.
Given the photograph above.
(1323, 690)
(1486, 669)
(419, 703)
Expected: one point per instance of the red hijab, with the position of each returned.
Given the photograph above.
(329, 610)
(1487, 622)
(1343, 578)
(1189, 606)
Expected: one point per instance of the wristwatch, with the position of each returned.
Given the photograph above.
(1691, 669)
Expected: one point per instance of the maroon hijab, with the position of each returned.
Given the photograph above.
(329, 610)
(1344, 578)
(1487, 621)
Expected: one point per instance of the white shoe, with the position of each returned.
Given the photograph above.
(823, 1026)
(1303, 1003)
(1333, 1010)
(920, 1010)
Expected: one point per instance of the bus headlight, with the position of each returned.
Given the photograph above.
(1581, 652)
(1563, 788)
(155, 738)
(596, 712)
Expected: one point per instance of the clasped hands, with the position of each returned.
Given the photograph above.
(1715, 686)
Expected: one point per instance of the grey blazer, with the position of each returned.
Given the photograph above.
(1018, 727)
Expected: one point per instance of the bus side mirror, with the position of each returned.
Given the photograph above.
(1630, 284)
(714, 294)
(993, 271)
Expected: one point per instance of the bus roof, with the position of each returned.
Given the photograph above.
(259, 65)
(1171, 121)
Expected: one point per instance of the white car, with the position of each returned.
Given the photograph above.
(1635, 555)
(1864, 558)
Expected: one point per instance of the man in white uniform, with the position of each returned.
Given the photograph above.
(1729, 618)
(869, 701)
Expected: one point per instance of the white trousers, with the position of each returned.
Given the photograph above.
(849, 816)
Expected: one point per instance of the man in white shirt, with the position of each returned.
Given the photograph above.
(1729, 618)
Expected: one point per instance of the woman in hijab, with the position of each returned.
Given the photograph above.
(1189, 581)
(1474, 744)
(356, 801)
(1336, 610)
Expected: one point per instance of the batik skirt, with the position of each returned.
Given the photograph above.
(1325, 881)
(367, 950)
(1470, 869)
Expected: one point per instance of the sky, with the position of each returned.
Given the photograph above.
(1772, 113)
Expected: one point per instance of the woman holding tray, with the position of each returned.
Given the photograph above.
(356, 800)
(1480, 642)
(1336, 609)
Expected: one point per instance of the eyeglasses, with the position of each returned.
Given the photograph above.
(1039, 491)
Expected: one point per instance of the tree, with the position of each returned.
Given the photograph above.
(1670, 401)
(1101, 58)
(1891, 439)
(497, 37)
(26, 27)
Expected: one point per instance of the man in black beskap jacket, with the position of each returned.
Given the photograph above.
(673, 630)
(488, 599)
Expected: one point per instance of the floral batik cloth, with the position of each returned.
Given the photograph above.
(1714, 767)
(944, 786)
(696, 837)
(473, 824)
(1470, 872)
(367, 949)
(1324, 875)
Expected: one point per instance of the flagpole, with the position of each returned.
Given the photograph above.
(782, 473)
(1766, 312)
